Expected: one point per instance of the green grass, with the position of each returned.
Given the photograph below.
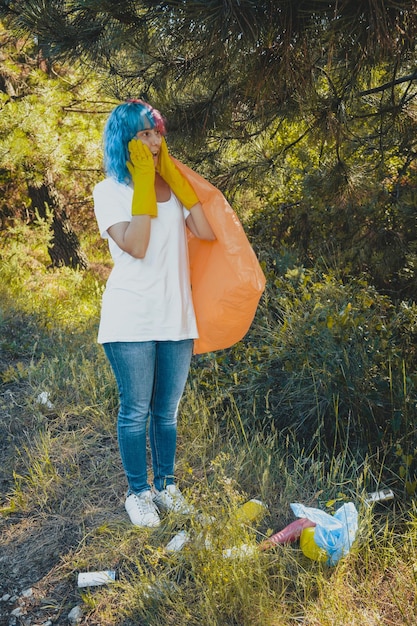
(62, 503)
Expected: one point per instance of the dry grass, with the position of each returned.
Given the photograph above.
(63, 491)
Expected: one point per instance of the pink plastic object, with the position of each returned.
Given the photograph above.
(288, 534)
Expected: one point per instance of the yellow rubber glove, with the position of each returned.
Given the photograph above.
(171, 175)
(142, 170)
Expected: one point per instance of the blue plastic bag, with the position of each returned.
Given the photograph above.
(333, 533)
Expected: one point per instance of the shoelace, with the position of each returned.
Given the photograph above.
(144, 504)
(177, 500)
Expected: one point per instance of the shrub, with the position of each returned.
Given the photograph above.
(332, 362)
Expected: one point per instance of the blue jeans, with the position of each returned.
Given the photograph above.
(151, 377)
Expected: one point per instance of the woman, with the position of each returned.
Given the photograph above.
(148, 323)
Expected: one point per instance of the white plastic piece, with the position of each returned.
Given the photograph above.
(379, 496)
(93, 579)
(178, 541)
(43, 398)
(237, 552)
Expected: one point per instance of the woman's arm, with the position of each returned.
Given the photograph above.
(198, 224)
(132, 237)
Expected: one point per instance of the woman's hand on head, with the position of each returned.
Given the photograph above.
(176, 180)
(142, 170)
(141, 160)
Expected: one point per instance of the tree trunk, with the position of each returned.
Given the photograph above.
(64, 248)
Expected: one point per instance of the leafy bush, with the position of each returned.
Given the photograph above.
(332, 362)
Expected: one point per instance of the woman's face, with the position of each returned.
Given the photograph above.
(152, 138)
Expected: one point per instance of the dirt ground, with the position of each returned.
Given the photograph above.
(29, 560)
(35, 577)
(32, 545)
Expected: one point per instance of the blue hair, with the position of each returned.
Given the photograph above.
(124, 122)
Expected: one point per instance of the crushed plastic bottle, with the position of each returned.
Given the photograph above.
(379, 496)
(178, 541)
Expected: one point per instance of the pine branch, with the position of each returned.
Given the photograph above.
(390, 84)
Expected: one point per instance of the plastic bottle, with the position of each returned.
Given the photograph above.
(178, 541)
(252, 511)
(379, 496)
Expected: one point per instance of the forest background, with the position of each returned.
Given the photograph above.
(304, 114)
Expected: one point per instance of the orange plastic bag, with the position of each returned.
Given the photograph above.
(226, 278)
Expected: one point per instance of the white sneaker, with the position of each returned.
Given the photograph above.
(142, 510)
(171, 499)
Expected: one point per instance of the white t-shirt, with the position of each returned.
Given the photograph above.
(150, 298)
